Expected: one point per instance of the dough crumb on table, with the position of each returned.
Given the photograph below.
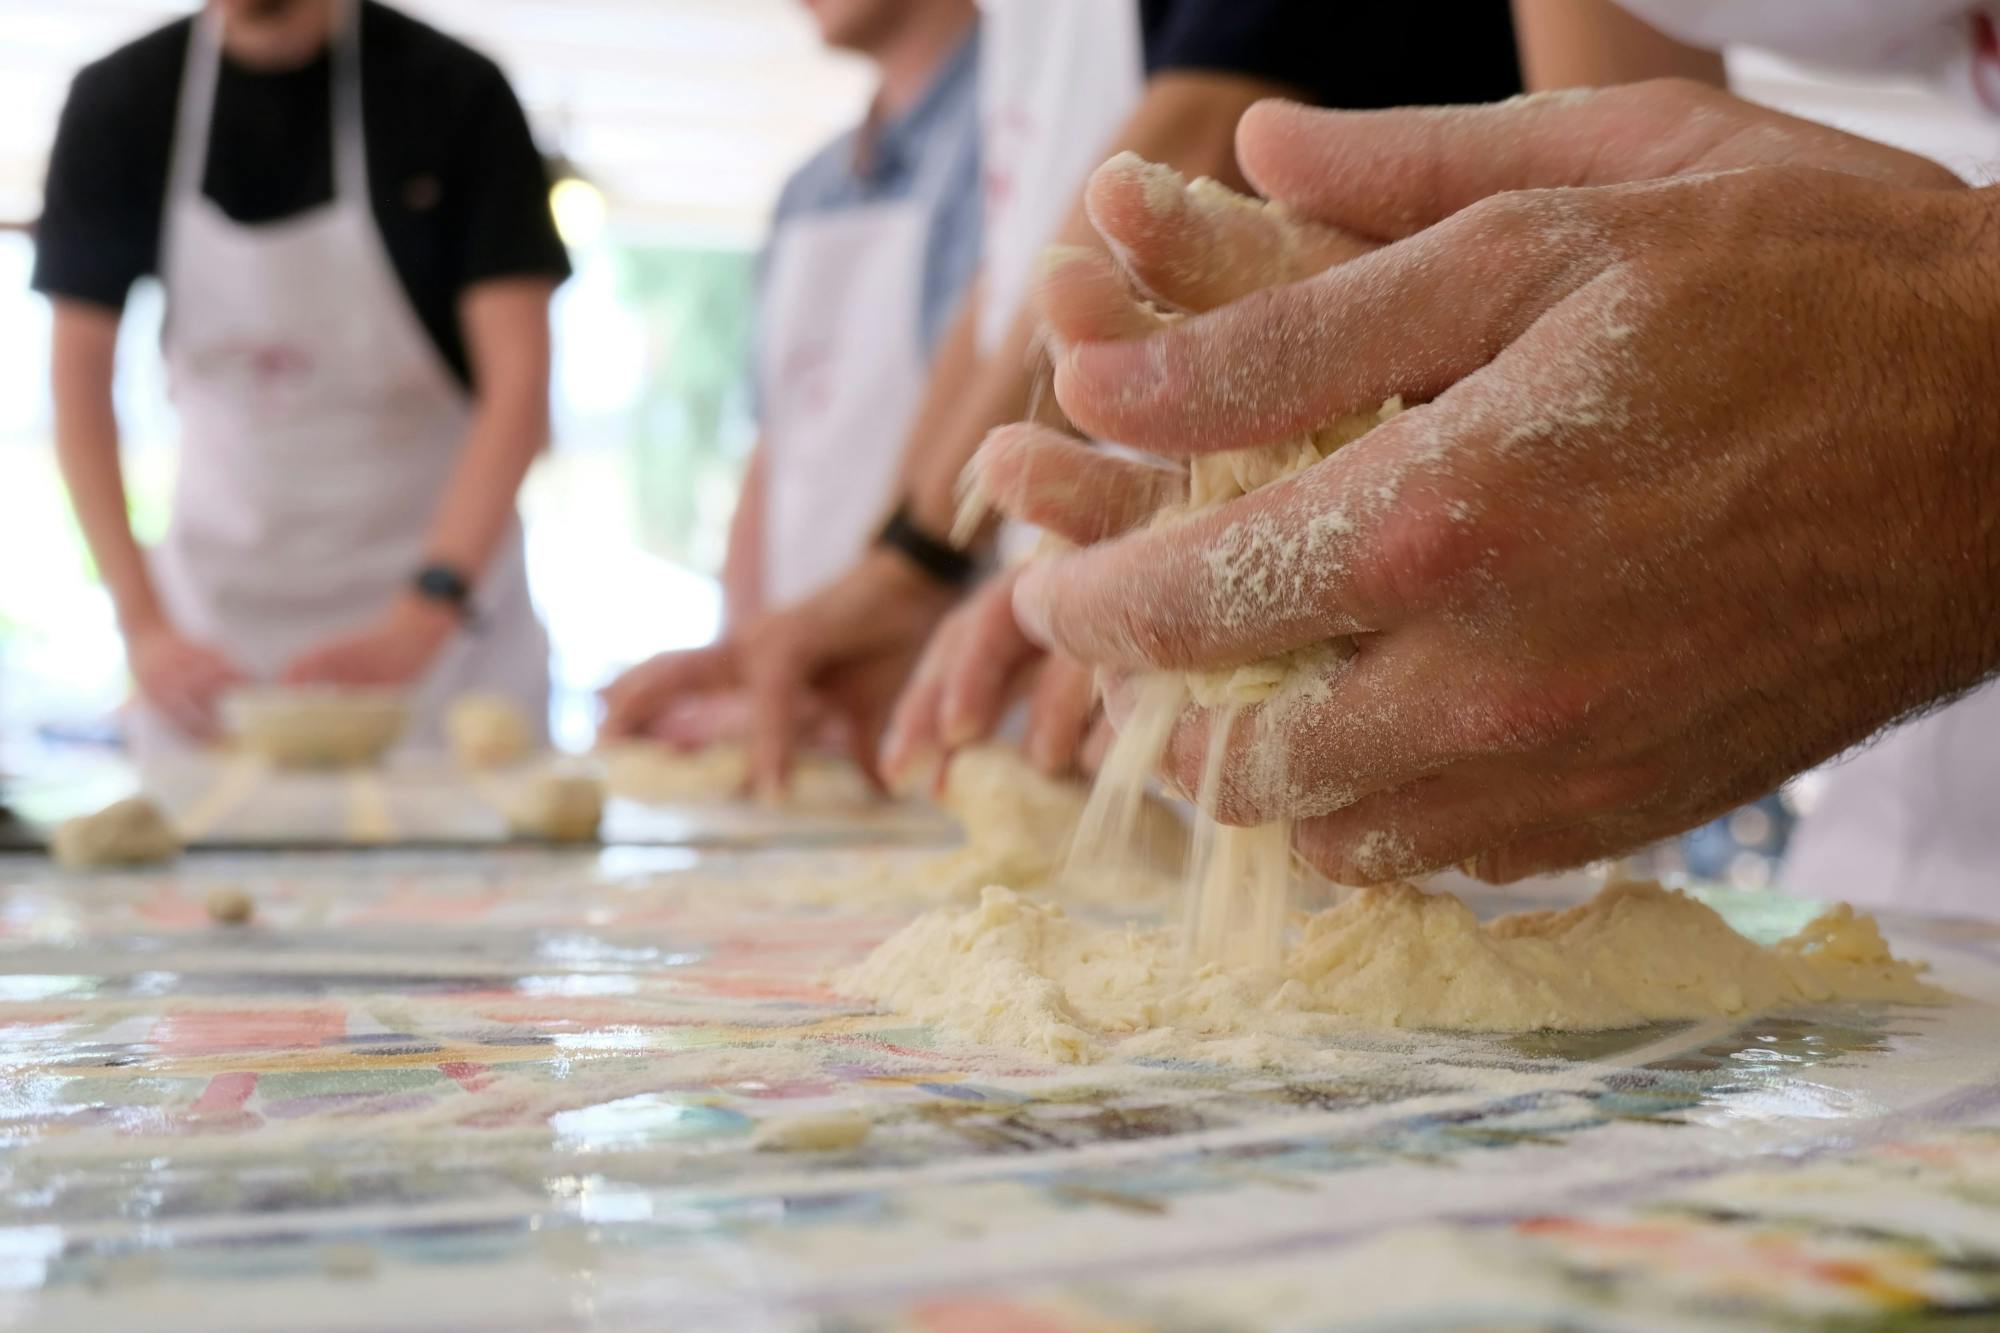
(487, 731)
(832, 1131)
(1018, 973)
(230, 906)
(131, 832)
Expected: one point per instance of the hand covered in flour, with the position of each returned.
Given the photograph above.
(1191, 247)
(395, 649)
(1694, 498)
(180, 678)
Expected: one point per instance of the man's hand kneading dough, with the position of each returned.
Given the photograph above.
(1698, 492)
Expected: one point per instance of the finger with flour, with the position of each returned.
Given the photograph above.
(1336, 731)
(1423, 164)
(1076, 490)
(1453, 817)
(1196, 246)
(1352, 544)
(1412, 318)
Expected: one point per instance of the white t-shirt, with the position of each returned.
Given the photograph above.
(1955, 43)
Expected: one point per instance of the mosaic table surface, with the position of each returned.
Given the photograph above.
(523, 1090)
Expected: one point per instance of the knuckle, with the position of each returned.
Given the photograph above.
(1420, 552)
(1500, 220)
(1522, 717)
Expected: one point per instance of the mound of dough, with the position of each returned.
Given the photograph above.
(487, 731)
(557, 806)
(316, 727)
(1020, 823)
(131, 832)
(654, 774)
(1018, 973)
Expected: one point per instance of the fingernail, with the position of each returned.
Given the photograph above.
(1031, 603)
(1055, 258)
(894, 754)
(959, 729)
(1122, 371)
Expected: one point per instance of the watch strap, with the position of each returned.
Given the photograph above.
(939, 560)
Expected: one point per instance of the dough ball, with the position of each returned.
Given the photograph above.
(230, 906)
(133, 832)
(316, 727)
(559, 807)
(833, 1131)
(487, 731)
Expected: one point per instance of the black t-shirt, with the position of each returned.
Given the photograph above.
(459, 189)
(1356, 54)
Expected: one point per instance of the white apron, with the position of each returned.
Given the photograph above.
(1057, 80)
(319, 426)
(844, 365)
(1913, 821)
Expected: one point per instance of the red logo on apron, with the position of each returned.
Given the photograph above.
(1986, 60)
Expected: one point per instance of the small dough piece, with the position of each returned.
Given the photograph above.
(487, 730)
(316, 726)
(131, 832)
(557, 806)
(833, 1131)
(230, 906)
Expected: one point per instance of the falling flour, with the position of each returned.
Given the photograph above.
(1241, 881)
(1019, 973)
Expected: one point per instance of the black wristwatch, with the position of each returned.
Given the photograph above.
(941, 561)
(448, 586)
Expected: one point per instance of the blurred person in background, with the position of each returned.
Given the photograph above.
(1064, 85)
(1907, 821)
(873, 243)
(350, 219)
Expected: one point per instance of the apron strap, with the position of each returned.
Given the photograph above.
(197, 106)
(350, 141)
(196, 115)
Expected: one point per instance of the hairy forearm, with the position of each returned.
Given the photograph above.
(1594, 43)
(1187, 121)
(87, 437)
